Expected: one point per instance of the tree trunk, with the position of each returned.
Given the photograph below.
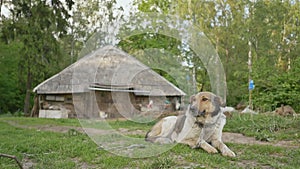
(35, 108)
(1, 3)
(28, 92)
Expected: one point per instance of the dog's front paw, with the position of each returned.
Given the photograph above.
(195, 146)
(211, 150)
(208, 148)
(228, 153)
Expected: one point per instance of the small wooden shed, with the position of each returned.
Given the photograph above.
(107, 82)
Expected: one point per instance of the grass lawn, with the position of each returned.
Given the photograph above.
(36, 147)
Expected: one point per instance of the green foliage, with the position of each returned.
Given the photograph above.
(154, 6)
(272, 29)
(237, 78)
(275, 87)
(150, 40)
(10, 93)
(160, 53)
(38, 39)
(37, 25)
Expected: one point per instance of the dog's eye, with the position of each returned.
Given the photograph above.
(204, 99)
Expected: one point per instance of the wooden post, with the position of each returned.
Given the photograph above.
(250, 100)
(249, 76)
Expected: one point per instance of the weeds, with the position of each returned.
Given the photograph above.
(264, 127)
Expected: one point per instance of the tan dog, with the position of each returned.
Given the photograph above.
(202, 124)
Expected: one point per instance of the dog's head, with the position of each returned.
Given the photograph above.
(205, 105)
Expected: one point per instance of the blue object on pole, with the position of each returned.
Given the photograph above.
(251, 85)
(188, 77)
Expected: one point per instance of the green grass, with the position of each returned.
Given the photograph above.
(265, 127)
(41, 121)
(131, 125)
(47, 150)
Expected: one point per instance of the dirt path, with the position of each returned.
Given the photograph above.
(241, 139)
(227, 136)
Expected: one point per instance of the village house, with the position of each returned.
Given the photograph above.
(107, 83)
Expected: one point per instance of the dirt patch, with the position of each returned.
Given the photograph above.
(131, 132)
(184, 164)
(60, 129)
(241, 139)
(82, 165)
(28, 163)
(252, 164)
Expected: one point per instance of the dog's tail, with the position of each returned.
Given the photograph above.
(148, 138)
(154, 132)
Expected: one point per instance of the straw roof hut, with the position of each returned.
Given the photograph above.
(106, 80)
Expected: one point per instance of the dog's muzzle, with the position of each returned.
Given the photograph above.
(201, 113)
(196, 112)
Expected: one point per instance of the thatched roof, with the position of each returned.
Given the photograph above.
(108, 69)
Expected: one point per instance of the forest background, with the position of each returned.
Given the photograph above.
(39, 38)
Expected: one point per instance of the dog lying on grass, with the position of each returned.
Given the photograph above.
(202, 124)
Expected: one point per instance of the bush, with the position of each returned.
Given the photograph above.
(275, 87)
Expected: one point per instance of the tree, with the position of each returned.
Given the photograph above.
(10, 87)
(94, 23)
(215, 19)
(272, 29)
(160, 53)
(38, 25)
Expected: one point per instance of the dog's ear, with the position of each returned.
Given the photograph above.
(192, 99)
(219, 101)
